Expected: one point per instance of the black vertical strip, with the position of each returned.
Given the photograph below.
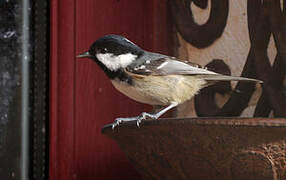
(39, 153)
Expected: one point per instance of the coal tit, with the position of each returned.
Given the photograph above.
(148, 77)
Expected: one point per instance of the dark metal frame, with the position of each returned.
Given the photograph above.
(24, 71)
(40, 84)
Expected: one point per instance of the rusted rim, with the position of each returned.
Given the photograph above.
(269, 122)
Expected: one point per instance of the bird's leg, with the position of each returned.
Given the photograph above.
(143, 116)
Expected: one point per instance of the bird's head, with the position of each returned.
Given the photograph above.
(113, 52)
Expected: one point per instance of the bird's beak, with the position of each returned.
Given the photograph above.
(84, 55)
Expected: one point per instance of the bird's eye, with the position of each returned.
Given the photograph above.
(103, 50)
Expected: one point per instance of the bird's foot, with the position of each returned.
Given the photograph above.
(138, 119)
(118, 121)
(145, 116)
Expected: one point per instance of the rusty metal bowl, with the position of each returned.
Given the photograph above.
(205, 148)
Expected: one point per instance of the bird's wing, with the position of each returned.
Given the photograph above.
(159, 65)
(166, 65)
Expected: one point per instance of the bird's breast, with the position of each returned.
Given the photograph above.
(160, 90)
(133, 92)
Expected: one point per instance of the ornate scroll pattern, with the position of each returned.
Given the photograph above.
(264, 18)
(270, 19)
(200, 36)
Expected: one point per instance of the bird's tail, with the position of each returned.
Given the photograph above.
(220, 77)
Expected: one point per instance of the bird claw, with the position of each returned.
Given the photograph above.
(144, 116)
(138, 122)
(138, 119)
(116, 122)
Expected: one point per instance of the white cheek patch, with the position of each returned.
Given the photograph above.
(114, 62)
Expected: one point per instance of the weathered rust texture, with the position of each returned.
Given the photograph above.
(205, 148)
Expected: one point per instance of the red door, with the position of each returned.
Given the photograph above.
(82, 98)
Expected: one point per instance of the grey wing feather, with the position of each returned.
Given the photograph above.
(178, 67)
(157, 64)
(220, 77)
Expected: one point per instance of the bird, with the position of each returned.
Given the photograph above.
(149, 77)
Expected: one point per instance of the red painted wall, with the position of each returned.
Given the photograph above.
(82, 98)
